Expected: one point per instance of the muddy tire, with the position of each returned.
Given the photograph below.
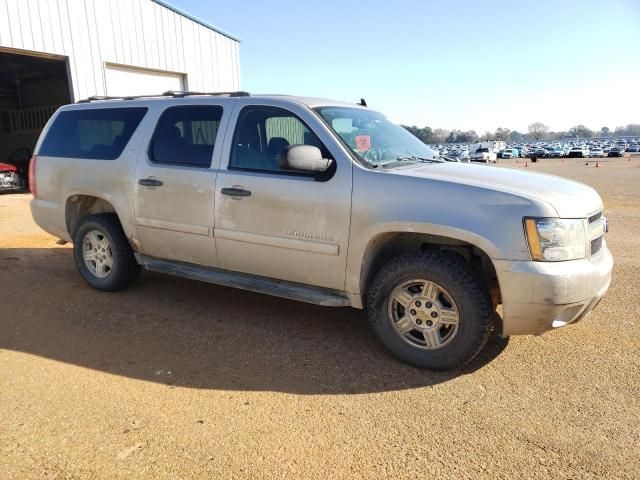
(102, 253)
(429, 310)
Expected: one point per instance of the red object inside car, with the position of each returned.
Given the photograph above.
(5, 167)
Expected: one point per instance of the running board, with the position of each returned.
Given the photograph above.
(244, 281)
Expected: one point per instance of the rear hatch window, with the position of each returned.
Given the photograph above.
(99, 134)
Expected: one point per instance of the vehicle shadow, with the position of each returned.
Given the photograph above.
(185, 333)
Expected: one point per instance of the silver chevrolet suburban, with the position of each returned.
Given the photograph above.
(324, 202)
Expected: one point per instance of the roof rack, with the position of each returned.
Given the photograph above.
(169, 93)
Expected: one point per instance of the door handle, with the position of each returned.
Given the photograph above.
(235, 192)
(150, 182)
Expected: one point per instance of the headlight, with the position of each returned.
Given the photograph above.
(555, 239)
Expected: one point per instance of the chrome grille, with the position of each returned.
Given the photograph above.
(596, 245)
(596, 227)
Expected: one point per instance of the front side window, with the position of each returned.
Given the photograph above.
(263, 133)
(186, 135)
(99, 134)
(372, 137)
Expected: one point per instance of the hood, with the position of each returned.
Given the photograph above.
(570, 199)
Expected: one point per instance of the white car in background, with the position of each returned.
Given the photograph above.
(483, 154)
(509, 153)
(578, 151)
(596, 152)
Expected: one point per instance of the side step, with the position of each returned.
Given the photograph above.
(244, 281)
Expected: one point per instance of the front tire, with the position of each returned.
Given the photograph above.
(429, 310)
(102, 253)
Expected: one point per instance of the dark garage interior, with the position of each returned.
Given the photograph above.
(31, 89)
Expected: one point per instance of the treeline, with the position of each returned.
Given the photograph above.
(537, 131)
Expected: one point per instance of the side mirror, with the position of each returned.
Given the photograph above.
(303, 158)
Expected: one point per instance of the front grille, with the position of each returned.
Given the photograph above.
(595, 217)
(596, 245)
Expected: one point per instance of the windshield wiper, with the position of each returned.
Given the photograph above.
(411, 158)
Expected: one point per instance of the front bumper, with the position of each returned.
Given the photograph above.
(541, 296)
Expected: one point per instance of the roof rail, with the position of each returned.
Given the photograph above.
(180, 94)
(169, 93)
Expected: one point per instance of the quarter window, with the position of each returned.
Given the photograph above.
(261, 135)
(99, 134)
(186, 135)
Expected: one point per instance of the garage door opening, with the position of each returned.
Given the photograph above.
(31, 89)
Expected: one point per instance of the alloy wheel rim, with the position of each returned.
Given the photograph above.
(97, 254)
(424, 314)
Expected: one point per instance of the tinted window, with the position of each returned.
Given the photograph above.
(186, 135)
(262, 133)
(97, 133)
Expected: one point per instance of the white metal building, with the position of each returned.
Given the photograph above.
(54, 52)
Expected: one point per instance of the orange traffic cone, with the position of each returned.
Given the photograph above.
(526, 165)
(597, 163)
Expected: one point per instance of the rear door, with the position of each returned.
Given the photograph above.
(175, 181)
(277, 223)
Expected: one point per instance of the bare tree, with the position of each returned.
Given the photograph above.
(538, 130)
(581, 131)
(440, 135)
(503, 134)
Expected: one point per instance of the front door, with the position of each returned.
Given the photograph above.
(175, 184)
(277, 223)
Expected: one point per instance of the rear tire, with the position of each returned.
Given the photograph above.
(102, 253)
(432, 288)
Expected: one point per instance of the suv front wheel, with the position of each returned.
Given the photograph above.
(429, 310)
(102, 253)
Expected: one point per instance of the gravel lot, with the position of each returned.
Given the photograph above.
(178, 379)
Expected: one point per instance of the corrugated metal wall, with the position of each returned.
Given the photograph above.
(139, 33)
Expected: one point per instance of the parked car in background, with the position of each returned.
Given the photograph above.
(510, 153)
(578, 152)
(457, 156)
(9, 178)
(633, 148)
(483, 154)
(616, 152)
(19, 160)
(464, 156)
(596, 152)
(556, 152)
(536, 153)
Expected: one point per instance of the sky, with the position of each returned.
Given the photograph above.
(445, 64)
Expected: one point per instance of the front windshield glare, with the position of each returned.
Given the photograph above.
(373, 138)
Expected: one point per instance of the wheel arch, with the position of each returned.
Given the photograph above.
(79, 206)
(386, 245)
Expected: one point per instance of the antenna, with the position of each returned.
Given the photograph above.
(363, 102)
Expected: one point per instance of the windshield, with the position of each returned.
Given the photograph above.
(373, 138)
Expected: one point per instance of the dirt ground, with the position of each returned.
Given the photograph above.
(182, 380)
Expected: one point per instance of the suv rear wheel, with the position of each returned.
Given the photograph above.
(429, 310)
(102, 253)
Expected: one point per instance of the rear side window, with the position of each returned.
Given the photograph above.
(186, 135)
(99, 134)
